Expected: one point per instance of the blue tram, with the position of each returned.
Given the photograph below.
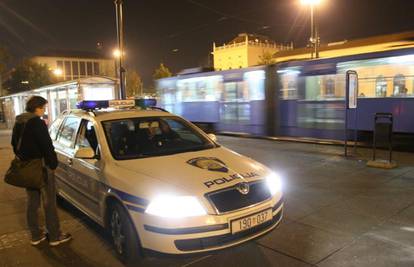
(297, 98)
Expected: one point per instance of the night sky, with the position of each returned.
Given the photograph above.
(155, 29)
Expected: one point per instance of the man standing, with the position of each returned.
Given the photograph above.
(31, 140)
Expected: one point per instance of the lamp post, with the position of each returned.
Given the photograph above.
(314, 39)
(116, 54)
(120, 34)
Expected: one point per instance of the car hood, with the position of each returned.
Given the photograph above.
(198, 172)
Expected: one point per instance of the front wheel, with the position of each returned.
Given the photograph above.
(124, 236)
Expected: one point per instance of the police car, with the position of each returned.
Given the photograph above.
(158, 182)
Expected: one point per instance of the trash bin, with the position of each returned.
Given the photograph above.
(383, 134)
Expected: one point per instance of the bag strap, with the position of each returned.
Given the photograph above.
(19, 143)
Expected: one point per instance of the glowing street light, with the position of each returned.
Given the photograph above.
(311, 2)
(58, 72)
(314, 39)
(116, 53)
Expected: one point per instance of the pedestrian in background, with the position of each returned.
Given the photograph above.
(31, 140)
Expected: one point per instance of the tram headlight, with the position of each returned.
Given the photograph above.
(274, 183)
(175, 207)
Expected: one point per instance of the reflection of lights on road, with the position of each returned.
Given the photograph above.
(409, 229)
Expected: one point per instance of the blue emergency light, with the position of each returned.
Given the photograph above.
(127, 103)
(92, 104)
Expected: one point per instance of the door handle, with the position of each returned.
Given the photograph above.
(70, 162)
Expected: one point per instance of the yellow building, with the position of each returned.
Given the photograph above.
(72, 65)
(244, 51)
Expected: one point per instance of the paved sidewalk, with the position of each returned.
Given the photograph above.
(338, 213)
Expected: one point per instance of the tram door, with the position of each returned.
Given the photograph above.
(234, 106)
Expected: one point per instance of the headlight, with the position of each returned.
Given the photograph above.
(175, 207)
(274, 183)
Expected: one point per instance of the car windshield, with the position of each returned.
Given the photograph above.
(152, 136)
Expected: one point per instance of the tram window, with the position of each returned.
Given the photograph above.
(230, 91)
(329, 87)
(399, 85)
(380, 87)
(292, 89)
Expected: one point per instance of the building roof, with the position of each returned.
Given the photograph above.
(74, 54)
(394, 41)
(241, 38)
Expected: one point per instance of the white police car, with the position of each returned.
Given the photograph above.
(158, 182)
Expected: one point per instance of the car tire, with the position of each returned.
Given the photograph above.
(123, 234)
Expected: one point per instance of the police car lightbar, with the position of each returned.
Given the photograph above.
(100, 104)
(146, 102)
(128, 103)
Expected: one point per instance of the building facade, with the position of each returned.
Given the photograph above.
(72, 65)
(244, 51)
(60, 96)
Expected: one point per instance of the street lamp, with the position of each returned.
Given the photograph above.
(314, 39)
(120, 35)
(116, 53)
(57, 72)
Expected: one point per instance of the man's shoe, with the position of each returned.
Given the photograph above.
(35, 242)
(64, 237)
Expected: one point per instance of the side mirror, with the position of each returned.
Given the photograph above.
(212, 137)
(85, 153)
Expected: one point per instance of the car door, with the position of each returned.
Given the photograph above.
(54, 132)
(86, 173)
(64, 146)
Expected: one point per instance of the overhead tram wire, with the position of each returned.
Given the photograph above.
(225, 17)
(27, 22)
(236, 17)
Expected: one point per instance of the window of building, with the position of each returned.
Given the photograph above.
(399, 85)
(329, 87)
(59, 64)
(75, 69)
(82, 66)
(89, 68)
(68, 70)
(96, 68)
(380, 87)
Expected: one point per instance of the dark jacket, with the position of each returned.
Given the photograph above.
(36, 142)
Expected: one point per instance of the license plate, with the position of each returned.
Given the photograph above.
(251, 221)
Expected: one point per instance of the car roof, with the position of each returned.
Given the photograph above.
(105, 115)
